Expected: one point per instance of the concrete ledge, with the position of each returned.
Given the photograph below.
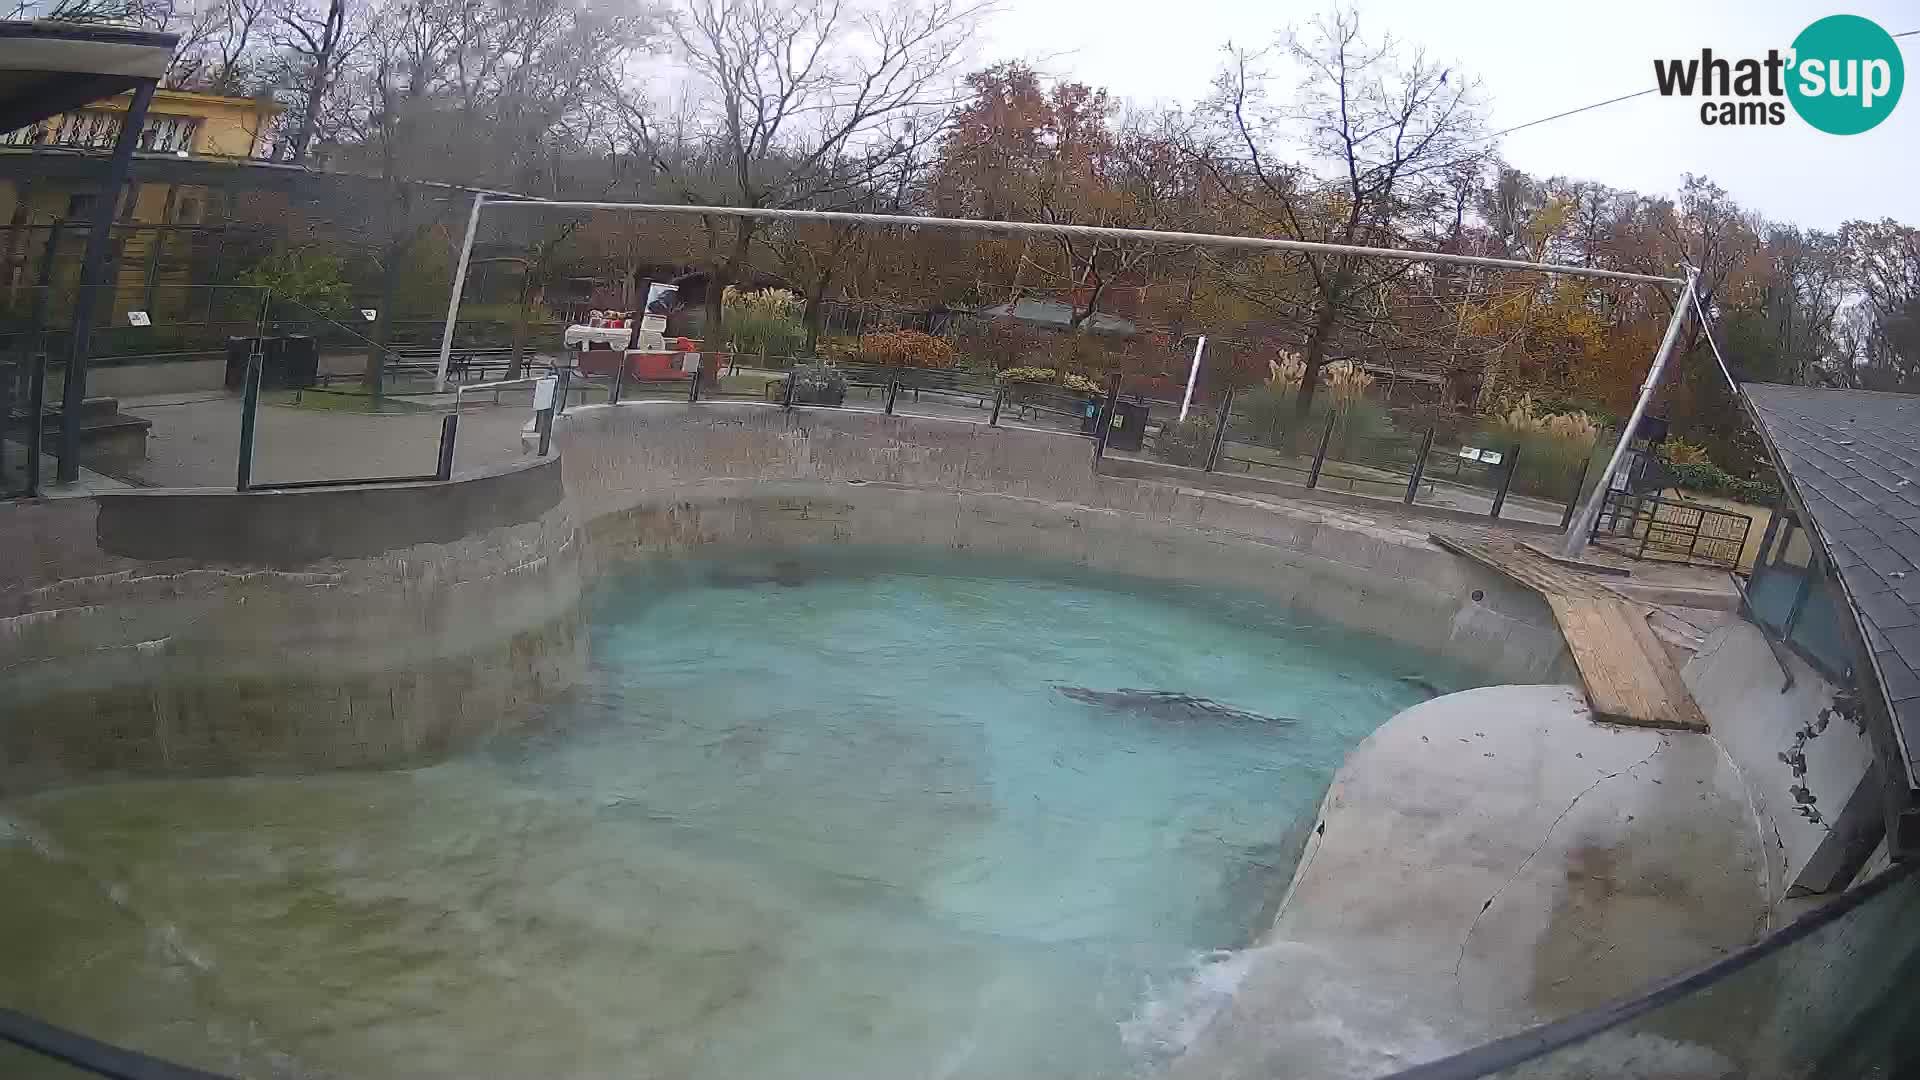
(1486, 861)
(292, 529)
(196, 632)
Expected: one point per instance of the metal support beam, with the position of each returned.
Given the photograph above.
(1419, 467)
(1090, 232)
(1019, 228)
(93, 278)
(1220, 430)
(249, 410)
(1506, 480)
(449, 436)
(1320, 454)
(1575, 543)
(1105, 421)
(459, 284)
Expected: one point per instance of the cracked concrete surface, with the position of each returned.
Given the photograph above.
(1489, 860)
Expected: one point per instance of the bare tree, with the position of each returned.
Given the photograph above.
(800, 104)
(1379, 134)
(141, 13)
(317, 40)
(221, 46)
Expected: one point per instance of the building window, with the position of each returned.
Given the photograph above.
(87, 129)
(169, 134)
(98, 129)
(1791, 595)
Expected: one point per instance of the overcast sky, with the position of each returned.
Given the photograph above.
(1536, 59)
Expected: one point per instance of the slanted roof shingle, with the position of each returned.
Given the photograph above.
(1854, 458)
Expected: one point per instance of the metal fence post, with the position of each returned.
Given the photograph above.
(1320, 454)
(1573, 500)
(543, 423)
(93, 277)
(36, 406)
(1419, 467)
(999, 395)
(1506, 480)
(693, 386)
(786, 402)
(893, 390)
(1220, 430)
(560, 394)
(1104, 422)
(249, 406)
(449, 432)
(619, 381)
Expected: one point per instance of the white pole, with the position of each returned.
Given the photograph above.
(1193, 374)
(453, 302)
(1582, 527)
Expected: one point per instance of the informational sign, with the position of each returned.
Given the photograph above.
(661, 298)
(369, 314)
(138, 318)
(1471, 453)
(690, 361)
(1485, 457)
(543, 392)
(654, 324)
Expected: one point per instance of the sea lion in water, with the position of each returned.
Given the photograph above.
(1421, 682)
(1168, 705)
(786, 573)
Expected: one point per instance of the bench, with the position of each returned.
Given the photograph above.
(462, 363)
(942, 380)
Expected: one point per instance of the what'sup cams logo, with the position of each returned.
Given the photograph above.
(1843, 75)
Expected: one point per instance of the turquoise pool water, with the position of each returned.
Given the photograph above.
(847, 816)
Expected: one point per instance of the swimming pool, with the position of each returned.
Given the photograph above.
(847, 814)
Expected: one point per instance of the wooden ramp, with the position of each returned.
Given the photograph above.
(1629, 677)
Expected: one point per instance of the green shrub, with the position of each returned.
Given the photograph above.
(300, 284)
(765, 323)
(1079, 384)
(1266, 417)
(1709, 479)
(906, 348)
(1553, 445)
(1185, 442)
(818, 384)
(839, 349)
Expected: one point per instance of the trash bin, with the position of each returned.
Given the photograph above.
(275, 355)
(1129, 425)
(273, 362)
(238, 349)
(299, 361)
(1090, 417)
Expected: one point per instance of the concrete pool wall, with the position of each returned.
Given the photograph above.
(215, 632)
(662, 477)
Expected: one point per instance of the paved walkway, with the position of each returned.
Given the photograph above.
(195, 441)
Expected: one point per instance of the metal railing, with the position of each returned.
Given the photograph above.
(1671, 530)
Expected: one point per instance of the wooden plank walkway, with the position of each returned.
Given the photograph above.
(1629, 677)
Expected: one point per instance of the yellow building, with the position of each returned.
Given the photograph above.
(177, 121)
(180, 124)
